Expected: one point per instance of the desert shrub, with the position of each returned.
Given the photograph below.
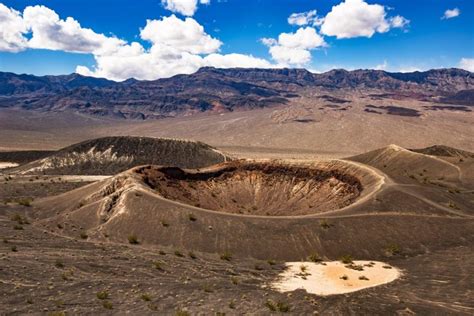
(192, 217)
(232, 304)
(182, 313)
(387, 267)
(102, 295)
(133, 239)
(145, 297)
(24, 202)
(452, 205)
(279, 306)
(18, 227)
(325, 224)
(271, 305)
(158, 265)
(314, 257)
(355, 267)
(107, 305)
(14, 248)
(344, 277)
(19, 219)
(227, 256)
(164, 223)
(60, 226)
(57, 313)
(192, 255)
(258, 267)
(161, 252)
(234, 280)
(59, 264)
(207, 288)
(363, 277)
(347, 259)
(178, 253)
(271, 262)
(393, 249)
(84, 235)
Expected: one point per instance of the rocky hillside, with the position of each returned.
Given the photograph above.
(111, 155)
(211, 89)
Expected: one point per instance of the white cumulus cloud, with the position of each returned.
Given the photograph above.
(294, 48)
(177, 45)
(12, 28)
(48, 31)
(451, 13)
(467, 64)
(357, 18)
(303, 18)
(185, 35)
(184, 7)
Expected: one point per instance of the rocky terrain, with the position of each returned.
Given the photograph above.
(129, 243)
(224, 90)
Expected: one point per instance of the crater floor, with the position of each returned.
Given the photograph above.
(257, 188)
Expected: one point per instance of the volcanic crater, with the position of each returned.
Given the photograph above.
(256, 188)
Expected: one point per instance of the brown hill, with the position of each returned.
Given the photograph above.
(444, 151)
(111, 155)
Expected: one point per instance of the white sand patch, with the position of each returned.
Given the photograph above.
(329, 278)
(4, 165)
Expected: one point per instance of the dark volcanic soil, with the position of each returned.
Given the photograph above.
(42, 272)
(257, 189)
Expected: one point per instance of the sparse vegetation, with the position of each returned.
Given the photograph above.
(355, 267)
(145, 297)
(102, 295)
(133, 239)
(207, 288)
(226, 256)
(393, 250)
(18, 227)
(19, 219)
(279, 306)
(325, 224)
(158, 265)
(453, 205)
(347, 259)
(59, 264)
(24, 202)
(107, 305)
(314, 257)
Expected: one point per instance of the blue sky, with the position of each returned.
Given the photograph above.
(422, 38)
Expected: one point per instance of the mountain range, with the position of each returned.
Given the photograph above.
(220, 90)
